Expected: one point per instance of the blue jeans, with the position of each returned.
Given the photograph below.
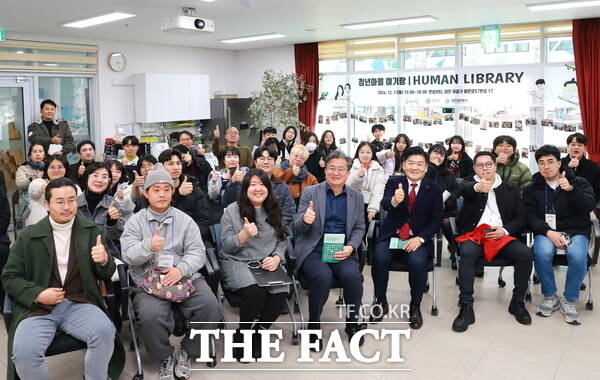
(577, 256)
(82, 321)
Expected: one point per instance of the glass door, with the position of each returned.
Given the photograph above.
(15, 116)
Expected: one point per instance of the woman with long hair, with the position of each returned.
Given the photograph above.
(56, 166)
(391, 159)
(252, 233)
(439, 173)
(120, 189)
(367, 176)
(315, 162)
(327, 144)
(287, 142)
(459, 162)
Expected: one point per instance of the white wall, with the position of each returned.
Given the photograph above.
(237, 72)
(252, 64)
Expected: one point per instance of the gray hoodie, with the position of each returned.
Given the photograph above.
(182, 240)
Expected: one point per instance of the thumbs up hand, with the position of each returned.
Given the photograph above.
(309, 214)
(485, 186)
(398, 196)
(573, 163)
(99, 254)
(238, 176)
(139, 179)
(186, 187)
(113, 212)
(322, 162)
(216, 132)
(157, 243)
(250, 228)
(295, 170)
(81, 169)
(563, 182)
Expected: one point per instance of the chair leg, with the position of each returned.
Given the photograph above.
(297, 301)
(501, 282)
(434, 309)
(295, 338)
(590, 303)
(340, 300)
(134, 338)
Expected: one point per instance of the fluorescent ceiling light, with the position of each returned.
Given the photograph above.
(253, 38)
(115, 16)
(394, 22)
(562, 5)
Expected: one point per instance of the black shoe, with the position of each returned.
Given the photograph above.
(466, 317)
(313, 338)
(479, 271)
(517, 308)
(353, 328)
(378, 310)
(415, 318)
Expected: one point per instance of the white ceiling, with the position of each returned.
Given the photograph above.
(233, 18)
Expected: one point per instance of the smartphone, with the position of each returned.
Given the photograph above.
(489, 230)
(566, 238)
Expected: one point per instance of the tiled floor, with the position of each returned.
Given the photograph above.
(495, 347)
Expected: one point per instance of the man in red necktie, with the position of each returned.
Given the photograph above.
(414, 215)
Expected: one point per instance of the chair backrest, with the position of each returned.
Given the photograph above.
(15, 203)
(215, 231)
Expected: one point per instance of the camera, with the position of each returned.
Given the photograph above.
(199, 23)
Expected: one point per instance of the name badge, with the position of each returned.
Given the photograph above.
(165, 260)
(551, 220)
(396, 243)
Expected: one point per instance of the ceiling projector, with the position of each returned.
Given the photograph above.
(187, 24)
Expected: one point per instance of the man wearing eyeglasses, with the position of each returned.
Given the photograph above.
(414, 206)
(232, 138)
(491, 201)
(331, 207)
(558, 206)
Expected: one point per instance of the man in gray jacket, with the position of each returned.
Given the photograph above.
(331, 207)
(49, 130)
(161, 237)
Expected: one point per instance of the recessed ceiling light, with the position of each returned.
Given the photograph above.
(208, 1)
(253, 38)
(562, 5)
(110, 17)
(394, 22)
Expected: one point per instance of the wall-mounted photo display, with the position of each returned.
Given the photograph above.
(343, 115)
(547, 122)
(327, 120)
(449, 117)
(320, 121)
(407, 118)
(417, 121)
(353, 116)
(427, 123)
(475, 121)
(437, 121)
(461, 116)
(362, 119)
(524, 152)
(507, 124)
(390, 118)
(530, 121)
(519, 125)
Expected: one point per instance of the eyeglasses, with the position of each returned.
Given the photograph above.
(147, 167)
(547, 163)
(102, 177)
(487, 165)
(333, 169)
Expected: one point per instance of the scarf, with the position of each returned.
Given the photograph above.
(491, 247)
(301, 175)
(37, 165)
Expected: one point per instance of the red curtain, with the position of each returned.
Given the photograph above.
(307, 66)
(586, 44)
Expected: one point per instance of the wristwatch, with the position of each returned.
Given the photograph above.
(421, 239)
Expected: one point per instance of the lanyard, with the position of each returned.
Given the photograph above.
(553, 209)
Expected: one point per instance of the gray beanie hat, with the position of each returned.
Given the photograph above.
(158, 175)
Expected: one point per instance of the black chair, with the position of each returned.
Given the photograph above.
(62, 342)
(234, 299)
(399, 263)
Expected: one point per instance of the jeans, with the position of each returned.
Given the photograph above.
(577, 256)
(82, 321)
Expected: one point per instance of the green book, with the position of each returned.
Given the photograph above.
(332, 243)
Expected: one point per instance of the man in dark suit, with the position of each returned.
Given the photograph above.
(331, 207)
(489, 200)
(412, 220)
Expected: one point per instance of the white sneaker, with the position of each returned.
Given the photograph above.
(548, 306)
(165, 372)
(570, 312)
(183, 366)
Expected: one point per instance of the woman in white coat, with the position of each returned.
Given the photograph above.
(368, 177)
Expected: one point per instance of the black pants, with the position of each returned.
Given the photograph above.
(447, 231)
(258, 303)
(515, 251)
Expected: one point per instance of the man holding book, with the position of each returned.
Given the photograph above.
(331, 212)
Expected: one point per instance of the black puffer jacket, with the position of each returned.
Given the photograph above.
(572, 207)
(446, 183)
